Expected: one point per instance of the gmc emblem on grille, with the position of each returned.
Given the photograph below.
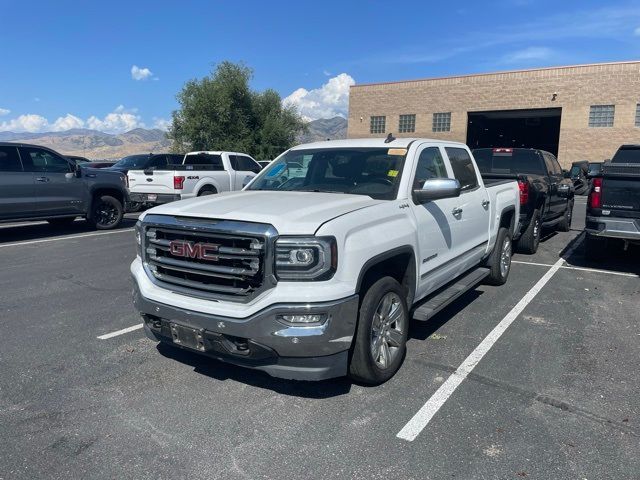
(201, 251)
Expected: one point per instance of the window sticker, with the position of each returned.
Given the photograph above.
(275, 171)
(397, 151)
(392, 173)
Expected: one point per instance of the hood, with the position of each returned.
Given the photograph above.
(291, 213)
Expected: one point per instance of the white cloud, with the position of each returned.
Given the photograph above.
(527, 54)
(118, 121)
(330, 100)
(4, 111)
(25, 123)
(636, 32)
(66, 123)
(161, 123)
(138, 73)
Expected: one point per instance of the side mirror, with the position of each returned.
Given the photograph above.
(437, 188)
(77, 170)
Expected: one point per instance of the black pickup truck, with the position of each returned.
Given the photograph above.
(546, 196)
(37, 183)
(613, 208)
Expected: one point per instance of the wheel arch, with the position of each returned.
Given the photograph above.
(105, 190)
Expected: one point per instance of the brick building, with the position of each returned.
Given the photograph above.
(581, 112)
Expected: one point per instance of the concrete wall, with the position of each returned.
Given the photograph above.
(578, 87)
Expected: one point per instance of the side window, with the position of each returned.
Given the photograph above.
(550, 162)
(462, 167)
(38, 160)
(159, 161)
(247, 164)
(213, 161)
(9, 160)
(233, 159)
(430, 165)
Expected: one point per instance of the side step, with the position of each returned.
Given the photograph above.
(449, 293)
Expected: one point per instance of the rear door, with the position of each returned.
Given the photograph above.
(556, 202)
(470, 213)
(17, 191)
(57, 189)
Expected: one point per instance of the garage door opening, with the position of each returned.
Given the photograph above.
(535, 128)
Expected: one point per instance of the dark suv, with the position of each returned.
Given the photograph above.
(37, 183)
(149, 161)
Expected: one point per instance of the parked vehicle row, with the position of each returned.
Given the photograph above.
(317, 275)
(37, 183)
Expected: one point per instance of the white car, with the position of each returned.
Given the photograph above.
(315, 269)
(200, 173)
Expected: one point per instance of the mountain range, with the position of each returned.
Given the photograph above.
(96, 145)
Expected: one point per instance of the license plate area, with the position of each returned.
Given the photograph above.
(187, 337)
(152, 197)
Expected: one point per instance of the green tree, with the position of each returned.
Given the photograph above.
(221, 112)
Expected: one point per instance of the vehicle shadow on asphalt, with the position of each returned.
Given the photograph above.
(422, 330)
(39, 231)
(616, 259)
(217, 370)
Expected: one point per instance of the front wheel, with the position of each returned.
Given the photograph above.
(499, 261)
(107, 212)
(381, 337)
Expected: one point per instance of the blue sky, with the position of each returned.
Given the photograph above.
(117, 65)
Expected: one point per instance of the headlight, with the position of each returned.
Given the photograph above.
(306, 258)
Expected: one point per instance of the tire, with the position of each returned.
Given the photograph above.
(500, 259)
(530, 239)
(595, 248)
(207, 191)
(61, 222)
(381, 337)
(565, 223)
(106, 212)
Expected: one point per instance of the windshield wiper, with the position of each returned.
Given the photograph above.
(317, 190)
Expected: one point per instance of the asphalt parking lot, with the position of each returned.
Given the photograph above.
(556, 395)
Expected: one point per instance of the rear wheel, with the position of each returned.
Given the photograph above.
(107, 212)
(381, 337)
(207, 191)
(500, 259)
(530, 239)
(565, 223)
(61, 222)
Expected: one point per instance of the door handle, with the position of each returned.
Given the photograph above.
(486, 203)
(42, 179)
(457, 211)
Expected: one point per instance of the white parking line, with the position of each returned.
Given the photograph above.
(68, 237)
(420, 420)
(584, 269)
(107, 336)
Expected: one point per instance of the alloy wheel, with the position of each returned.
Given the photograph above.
(387, 329)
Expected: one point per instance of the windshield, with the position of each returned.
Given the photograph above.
(132, 162)
(374, 172)
(575, 170)
(508, 160)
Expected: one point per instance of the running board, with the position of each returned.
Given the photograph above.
(447, 295)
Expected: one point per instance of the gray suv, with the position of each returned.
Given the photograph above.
(37, 183)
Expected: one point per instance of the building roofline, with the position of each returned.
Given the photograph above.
(562, 67)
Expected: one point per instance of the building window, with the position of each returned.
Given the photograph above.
(638, 115)
(378, 124)
(442, 122)
(601, 115)
(407, 124)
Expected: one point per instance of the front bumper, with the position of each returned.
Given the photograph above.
(262, 341)
(160, 199)
(624, 228)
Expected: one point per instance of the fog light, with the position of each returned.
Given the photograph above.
(303, 318)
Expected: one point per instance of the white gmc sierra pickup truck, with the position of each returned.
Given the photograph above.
(317, 275)
(200, 173)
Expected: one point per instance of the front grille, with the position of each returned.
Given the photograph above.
(237, 267)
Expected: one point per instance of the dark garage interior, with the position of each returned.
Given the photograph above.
(535, 128)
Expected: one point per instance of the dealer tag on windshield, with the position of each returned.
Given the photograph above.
(397, 151)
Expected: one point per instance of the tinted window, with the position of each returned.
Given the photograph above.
(132, 162)
(627, 155)
(247, 164)
(462, 167)
(509, 161)
(374, 172)
(430, 165)
(213, 162)
(44, 161)
(158, 161)
(175, 159)
(551, 165)
(9, 160)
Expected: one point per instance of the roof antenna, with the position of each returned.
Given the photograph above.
(390, 138)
